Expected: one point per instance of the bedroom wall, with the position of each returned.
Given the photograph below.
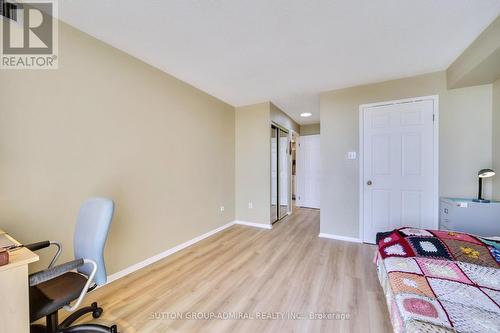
(312, 129)
(253, 160)
(496, 139)
(107, 124)
(465, 142)
(281, 118)
(480, 62)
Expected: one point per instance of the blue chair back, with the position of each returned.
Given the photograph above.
(90, 236)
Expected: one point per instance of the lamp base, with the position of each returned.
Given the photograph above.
(481, 200)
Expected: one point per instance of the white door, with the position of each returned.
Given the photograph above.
(308, 171)
(399, 186)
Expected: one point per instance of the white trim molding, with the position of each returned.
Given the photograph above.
(159, 256)
(153, 259)
(253, 224)
(342, 238)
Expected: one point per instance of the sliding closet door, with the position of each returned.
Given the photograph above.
(280, 173)
(284, 173)
(274, 174)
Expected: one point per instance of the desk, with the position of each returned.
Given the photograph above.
(14, 295)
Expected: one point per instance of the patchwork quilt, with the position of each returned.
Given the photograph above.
(440, 281)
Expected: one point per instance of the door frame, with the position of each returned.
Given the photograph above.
(271, 174)
(289, 211)
(297, 135)
(435, 194)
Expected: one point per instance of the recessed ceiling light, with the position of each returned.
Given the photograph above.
(306, 114)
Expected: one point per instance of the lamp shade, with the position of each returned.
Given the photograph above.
(485, 173)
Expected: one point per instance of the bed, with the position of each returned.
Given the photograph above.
(440, 281)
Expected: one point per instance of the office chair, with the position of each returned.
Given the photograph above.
(57, 286)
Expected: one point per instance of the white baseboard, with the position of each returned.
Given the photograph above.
(342, 238)
(153, 259)
(253, 224)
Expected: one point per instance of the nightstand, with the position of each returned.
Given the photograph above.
(482, 219)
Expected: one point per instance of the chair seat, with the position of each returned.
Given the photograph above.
(50, 296)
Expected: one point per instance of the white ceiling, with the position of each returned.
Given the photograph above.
(285, 51)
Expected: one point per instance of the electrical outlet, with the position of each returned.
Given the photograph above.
(250, 205)
(351, 155)
(221, 208)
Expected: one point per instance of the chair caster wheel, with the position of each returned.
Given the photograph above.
(97, 313)
(114, 329)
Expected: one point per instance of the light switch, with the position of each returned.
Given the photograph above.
(351, 155)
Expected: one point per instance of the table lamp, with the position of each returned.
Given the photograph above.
(484, 173)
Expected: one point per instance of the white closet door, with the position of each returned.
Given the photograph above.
(274, 172)
(398, 167)
(284, 171)
(308, 171)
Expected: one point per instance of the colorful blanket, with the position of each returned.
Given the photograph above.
(440, 281)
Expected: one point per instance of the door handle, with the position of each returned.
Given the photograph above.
(369, 182)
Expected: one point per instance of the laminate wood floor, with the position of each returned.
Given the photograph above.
(250, 272)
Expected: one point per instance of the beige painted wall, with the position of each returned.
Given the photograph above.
(480, 62)
(465, 136)
(281, 118)
(496, 139)
(465, 142)
(106, 124)
(253, 163)
(311, 129)
(253, 159)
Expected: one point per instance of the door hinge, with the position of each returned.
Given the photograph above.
(433, 117)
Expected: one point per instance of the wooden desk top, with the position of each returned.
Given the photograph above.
(18, 257)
